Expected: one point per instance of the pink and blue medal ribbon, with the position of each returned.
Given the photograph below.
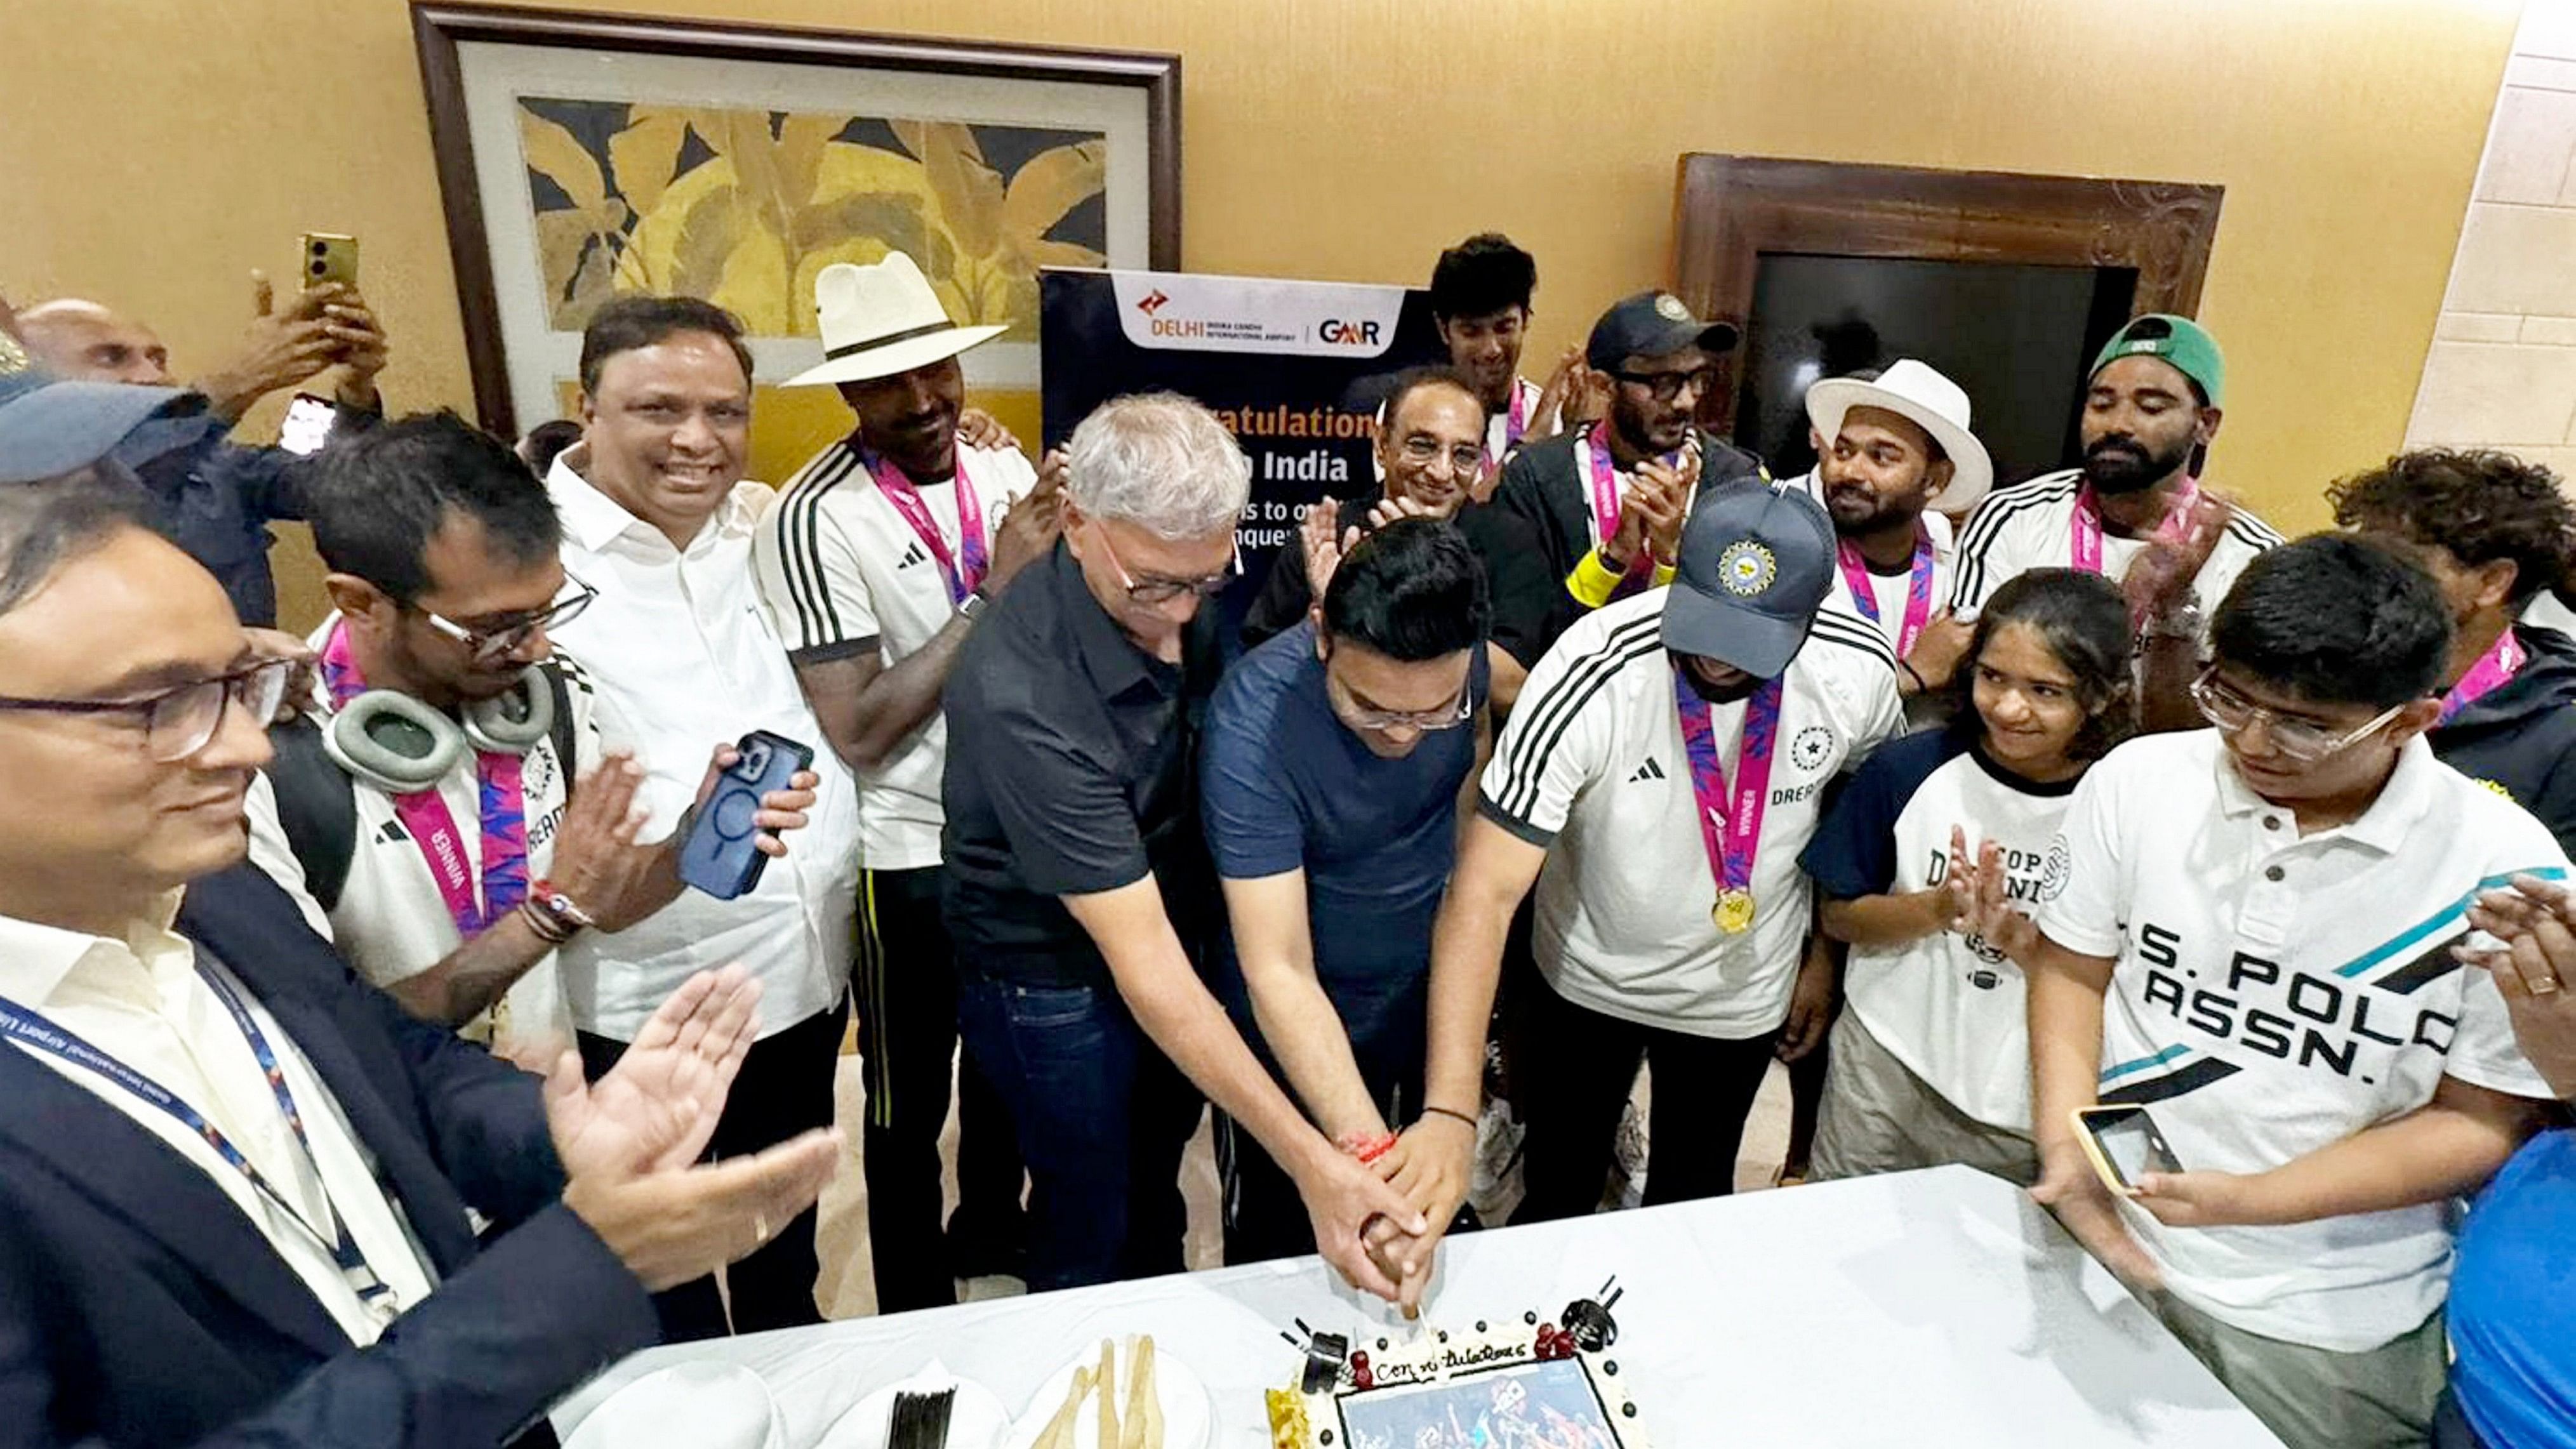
(1730, 823)
(425, 817)
(963, 569)
(2493, 668)
(1605, 511)
(1918, 588)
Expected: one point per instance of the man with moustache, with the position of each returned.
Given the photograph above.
(1606, 501)
(2134, 510)
(880, 557)
(1894, 458)
(1480, 300)
(1427, 456)
(1656, 784)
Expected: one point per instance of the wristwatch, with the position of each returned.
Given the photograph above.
(2182, 621)
(973, 604)
(560, 914)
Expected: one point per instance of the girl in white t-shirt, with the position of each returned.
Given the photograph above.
(1928, 867)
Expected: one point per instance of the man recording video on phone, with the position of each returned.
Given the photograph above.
(658, 518)
(2247, 930)
(215, 498)
(445, 799)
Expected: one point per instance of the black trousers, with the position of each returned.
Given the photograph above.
(906, 984)
(784, 1088)
(1574, 1068)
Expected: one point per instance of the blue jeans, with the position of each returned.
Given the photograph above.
(1102, 1117)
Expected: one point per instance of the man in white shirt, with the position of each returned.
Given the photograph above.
(875, 564)
(2249, 931)
(2134, 510)
(234, 1182)
(425, 803)
(1657, 782)
(659, 519)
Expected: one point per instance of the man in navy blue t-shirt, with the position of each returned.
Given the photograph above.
(1335, 758)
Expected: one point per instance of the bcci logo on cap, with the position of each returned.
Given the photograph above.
(1746, 569)
(13, 358)
(1670, 308)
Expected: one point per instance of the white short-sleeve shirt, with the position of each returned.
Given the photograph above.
(842, 570)
(1592, 766)
(681, 653)
(2030, 526)
(390, 921)
(2274, 994)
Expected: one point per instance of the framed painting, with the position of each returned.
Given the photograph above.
(584, 156)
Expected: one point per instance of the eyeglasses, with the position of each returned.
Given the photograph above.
(491, 643)
(1447, 717)
(2296, 740)
(178, 721)
(1668, 385)
(1465, 459)
(1155, 592)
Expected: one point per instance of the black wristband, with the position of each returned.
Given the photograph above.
(1447, 1112)
(1920, 683)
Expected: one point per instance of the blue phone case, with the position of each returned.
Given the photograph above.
(719, 857)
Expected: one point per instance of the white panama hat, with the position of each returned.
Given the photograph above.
(882, 319)
(1914, 391)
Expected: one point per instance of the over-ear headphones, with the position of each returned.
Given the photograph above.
(398, 744)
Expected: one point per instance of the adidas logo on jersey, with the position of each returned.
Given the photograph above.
(1647, 771)
(912, 554)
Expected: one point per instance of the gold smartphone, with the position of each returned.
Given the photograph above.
(330, 258)
(2124, 1145)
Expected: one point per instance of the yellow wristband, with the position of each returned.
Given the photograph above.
(1592, 583)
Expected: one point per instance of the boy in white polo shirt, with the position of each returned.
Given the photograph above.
(1657, 782)
(2248, 931)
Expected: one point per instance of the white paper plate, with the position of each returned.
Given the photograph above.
(1186, 1418)
(978, 1421)
(703, 1405)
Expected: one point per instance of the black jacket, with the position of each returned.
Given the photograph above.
(2521, 737)
(1544, 485)
(1522, 591)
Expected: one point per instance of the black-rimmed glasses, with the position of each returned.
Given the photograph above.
(179, 721)
(491, 642)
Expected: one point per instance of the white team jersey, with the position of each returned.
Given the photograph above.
(2274, 994)
(841, 570)
(391, 923)
(2030, 525)
(1592, 766)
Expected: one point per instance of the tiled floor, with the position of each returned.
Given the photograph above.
(848, 1288)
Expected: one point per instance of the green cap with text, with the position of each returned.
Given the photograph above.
(2180, 342)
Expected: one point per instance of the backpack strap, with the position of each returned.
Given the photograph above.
(561, 731)
(317, 804)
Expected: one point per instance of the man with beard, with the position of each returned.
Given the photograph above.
(876, 564)
(425, 802)
(1607, 500)
(1894, 457)
(2493, 531)
(2134, 510)
(1656, 784)
(1480, 301)
(1427, 454)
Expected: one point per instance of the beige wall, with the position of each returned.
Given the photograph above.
(2502, 369)
(157, 149)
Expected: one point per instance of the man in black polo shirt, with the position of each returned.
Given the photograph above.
(1079, 891)
(1428, 451)
(1607, 499)
(2493, 531)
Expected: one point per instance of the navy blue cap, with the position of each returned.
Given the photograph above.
(1652, 324)
(1757, 559)
(50, 427)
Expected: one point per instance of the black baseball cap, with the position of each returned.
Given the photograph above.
(1652, 324)
(1757, 559)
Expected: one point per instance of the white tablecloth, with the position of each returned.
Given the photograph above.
(1929, 1308)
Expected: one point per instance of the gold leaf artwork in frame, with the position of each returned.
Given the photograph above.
(744, 207)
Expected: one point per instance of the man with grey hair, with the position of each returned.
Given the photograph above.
(1079, 891)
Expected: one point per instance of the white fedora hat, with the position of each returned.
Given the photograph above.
(882, 319)
(1913, 391)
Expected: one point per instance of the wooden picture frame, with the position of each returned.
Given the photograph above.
(1730, 210)
(1124, 104)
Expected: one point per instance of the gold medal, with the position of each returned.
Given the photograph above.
(1734, 910)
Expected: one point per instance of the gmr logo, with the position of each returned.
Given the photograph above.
(1151, 302)
(1347, 334)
